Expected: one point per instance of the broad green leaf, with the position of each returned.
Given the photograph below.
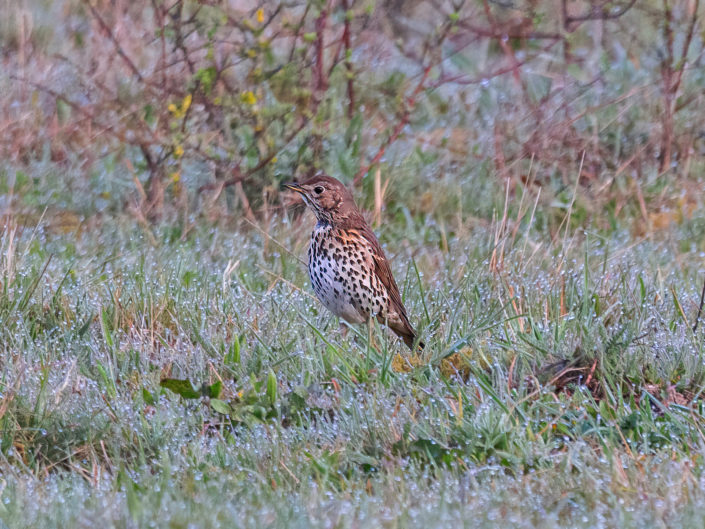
(147, 397)
(271, 387)
(180, 387)
(220, 406)
(213, 391)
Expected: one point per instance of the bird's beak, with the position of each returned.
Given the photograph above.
(294, 187)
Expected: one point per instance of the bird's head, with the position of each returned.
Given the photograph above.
(327, 197)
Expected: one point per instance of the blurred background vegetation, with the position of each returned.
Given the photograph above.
(180, 110)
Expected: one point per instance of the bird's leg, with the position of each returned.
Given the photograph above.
(370, 334)
(370, 344)
(344, 329)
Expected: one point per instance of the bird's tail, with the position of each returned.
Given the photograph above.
(407, 333)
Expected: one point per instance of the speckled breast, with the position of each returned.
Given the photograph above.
(341, 268)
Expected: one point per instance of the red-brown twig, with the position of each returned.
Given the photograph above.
(298, 32)
(348, 62)
(409, 104)
(672, 74)
(596, 12)
(700, 309)
(510, 33)
(506, 48)
(239, 176)
(319, 70)
(118, 48)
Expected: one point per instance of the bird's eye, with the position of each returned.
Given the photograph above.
(318, 190)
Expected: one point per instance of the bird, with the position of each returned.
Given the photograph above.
(349, 272)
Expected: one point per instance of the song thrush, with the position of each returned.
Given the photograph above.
(348, 269)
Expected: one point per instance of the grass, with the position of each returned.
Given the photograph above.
(561, 384)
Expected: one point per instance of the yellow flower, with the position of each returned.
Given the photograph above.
(178, 151)
(248, 98)
(186, 103)
(175, 176)
(260, 15)
(179, 111)
(274, 159)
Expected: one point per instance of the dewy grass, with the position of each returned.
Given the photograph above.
(569, 397)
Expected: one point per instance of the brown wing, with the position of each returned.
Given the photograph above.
(402, 327)
(383, 270)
